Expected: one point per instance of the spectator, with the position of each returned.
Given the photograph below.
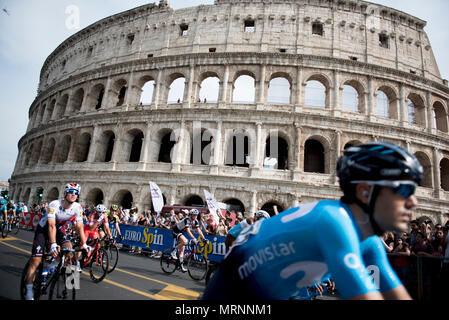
(401, 263)
(422, 246)
(438, 244)
(222, 230)
(414, 231)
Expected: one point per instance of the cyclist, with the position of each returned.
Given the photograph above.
(115, 219)
(186, 224)
(11, 212)
(275, 257)
(97, 220)
(49, 230)
(4, 210)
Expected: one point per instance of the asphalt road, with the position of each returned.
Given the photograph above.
(137, 277)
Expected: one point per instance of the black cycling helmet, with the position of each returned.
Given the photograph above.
(378, 161)
(374, 162)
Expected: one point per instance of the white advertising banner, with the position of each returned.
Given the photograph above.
(213, 206)
(156, 197)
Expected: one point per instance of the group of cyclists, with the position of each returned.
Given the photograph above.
(9, 211)
(323, 243)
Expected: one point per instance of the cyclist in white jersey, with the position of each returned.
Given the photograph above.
(186, 225)
(50, 231)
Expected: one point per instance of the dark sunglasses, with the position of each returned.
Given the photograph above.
(400, 187)
(73, 191)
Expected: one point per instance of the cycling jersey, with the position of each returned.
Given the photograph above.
(56, 211)
(92, 219)
(182, 225)
(235, 231)
(113, 218)
(274, 258)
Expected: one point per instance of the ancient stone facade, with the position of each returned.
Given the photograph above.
(355, 72)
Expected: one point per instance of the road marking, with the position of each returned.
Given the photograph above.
(170, 292)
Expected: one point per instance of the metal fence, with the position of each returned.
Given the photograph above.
(425, 277)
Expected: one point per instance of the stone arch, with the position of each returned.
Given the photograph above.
(53, 194)
(123, 198)
(76, 101)
(49, 112)
(105, 146)
(416, 109)
(29, 155)
(427, 166)
(118, 91)
(176, 85)
(209, 87)
(268, 207)
(147, 85)
(353, 96)
(40, 116)
(277, 146)
(96, 97)
(386, 102)
(36, 152)
(64, 149)
(201, 147)
(317, 88)
(235, 205)
(26, 197)
(244, 88)
(316, 155)
(440, 117)
(82, 147)
(164, 146)
(132, 145)
(238, 149)
(279, 89)
(95, 196)
(61, 106)
(47, 154)
(444, 172)
(193, 200)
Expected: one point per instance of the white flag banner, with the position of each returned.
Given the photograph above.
(213, 206)
(156, 197)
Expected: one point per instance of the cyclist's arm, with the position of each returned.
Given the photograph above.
(189, 232)
(79, 227)
(51, 230)
(200, 233)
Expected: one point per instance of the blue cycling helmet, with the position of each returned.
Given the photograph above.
(2, 201)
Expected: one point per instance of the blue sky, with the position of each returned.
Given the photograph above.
(31, 30)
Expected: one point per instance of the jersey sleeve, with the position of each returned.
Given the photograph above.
(376, 259)
(79, 214)
(52, 208)
(340, 247)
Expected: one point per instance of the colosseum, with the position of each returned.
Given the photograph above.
(314, 76)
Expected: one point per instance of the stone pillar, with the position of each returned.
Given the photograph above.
(117, 142)
(436, 173)
(84, 104)
(146, 144)
(157, 90)
(335, 94)
(370, 100)
(254, 206)
(261, 88)
(299, 94)
(107, 93)
(130, 92)
(218, 145)
(335, 154)
(259, 147)
(93, 144)
(188, 98)
(430, 114)
(223, 99)
(402, 105)
(297, 152)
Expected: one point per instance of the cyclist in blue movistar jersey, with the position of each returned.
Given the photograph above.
(274, 258)
(4, 209)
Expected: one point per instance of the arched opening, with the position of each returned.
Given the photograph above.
(444, 172)
(315, 95)
(278, 91)
(29, 155)
(50, 110)
(64, 149)
(26, 197)
(36, 153)
(440, 117)
(165, 151)
(146, 98)
(210, 88)
(95, 197)
(235, 205)
(269, 207)
(416, 109)
(82, 147)
(136, 147)
(314, 157)
(176, 91)
(244, 90)
(427, 166)
(105, 147)
(77, 100)
(382, 104)
(123, 198)
(119, 90)
(276, 153)
(238, 150)
(201, 147)
(62, 105)
(53, 194)
(350, 98)
(194, 201)
(96, 96)
(47, 155)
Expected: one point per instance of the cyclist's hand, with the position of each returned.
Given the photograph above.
(54, 250)
(87, 248)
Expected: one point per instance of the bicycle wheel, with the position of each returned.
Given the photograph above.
(5, 230)
(15, 227)
(196, 266)
(99, 265)
(36, 283)
(113, 257)
(168, 264)
(63, 286)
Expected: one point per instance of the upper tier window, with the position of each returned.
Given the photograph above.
(250, 25)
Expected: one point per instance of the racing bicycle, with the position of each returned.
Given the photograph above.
(195, 262)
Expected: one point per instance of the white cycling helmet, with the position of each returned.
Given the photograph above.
(262, 214)
(100, 208)
(194, 212)
(72, 186)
